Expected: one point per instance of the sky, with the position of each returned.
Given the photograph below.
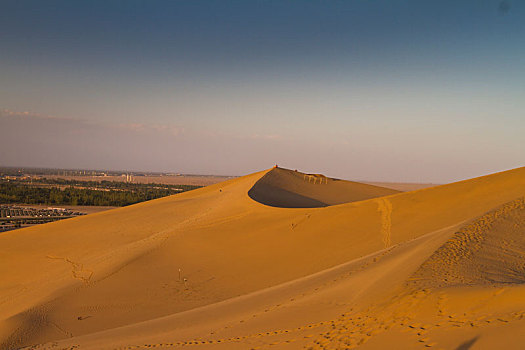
(414, 91)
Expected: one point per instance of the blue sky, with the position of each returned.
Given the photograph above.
(377, 90)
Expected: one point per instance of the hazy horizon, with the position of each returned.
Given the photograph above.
(138, 171)
(378, 91)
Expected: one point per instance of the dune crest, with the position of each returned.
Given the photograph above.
(292, 189)
(488, 251)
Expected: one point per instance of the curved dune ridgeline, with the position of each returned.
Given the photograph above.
(232, 266)
(489, 250)
(292, 189)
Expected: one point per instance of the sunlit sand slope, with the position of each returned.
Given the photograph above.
(470, 294)
(292, 189)
(250, 274)
(488, 251)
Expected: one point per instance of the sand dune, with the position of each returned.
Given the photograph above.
(401, 186)
(292, 189)
(270, 260)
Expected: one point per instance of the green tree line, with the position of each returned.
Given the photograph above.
(12, 192)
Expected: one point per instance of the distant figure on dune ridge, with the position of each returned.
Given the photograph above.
(321, 177)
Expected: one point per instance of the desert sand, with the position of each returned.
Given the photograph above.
(277, 260)
(401, 186)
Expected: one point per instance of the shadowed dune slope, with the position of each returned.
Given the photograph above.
(292, 189)
(188, 265)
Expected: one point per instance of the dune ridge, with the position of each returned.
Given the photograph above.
(293, 189)
(488, 251)
(213, 264)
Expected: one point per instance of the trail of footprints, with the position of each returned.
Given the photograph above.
(361, 267)
(353, 329)
(77, 269)
(233, 339)
(349, 338)
(460, 249)
(330, 323)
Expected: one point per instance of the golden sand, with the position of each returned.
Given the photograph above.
(274, 260)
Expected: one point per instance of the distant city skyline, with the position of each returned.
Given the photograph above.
(382, 91)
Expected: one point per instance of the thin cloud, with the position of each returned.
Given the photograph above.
(28, 114)
(166, 129)
(265, 137)
(159, 128)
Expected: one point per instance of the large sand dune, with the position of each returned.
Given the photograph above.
(292, 189)
(270, 260)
